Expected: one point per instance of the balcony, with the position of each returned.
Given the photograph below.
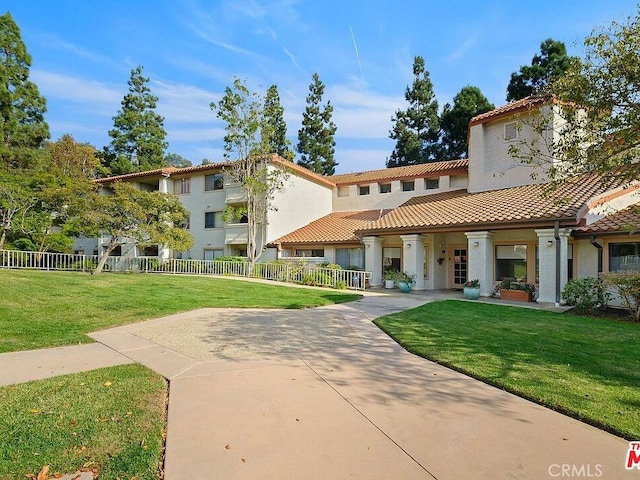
(236, 234)
(235, 195)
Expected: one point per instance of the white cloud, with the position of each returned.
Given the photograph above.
(88, 92)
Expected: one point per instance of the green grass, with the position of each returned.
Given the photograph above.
(110, 419)
(585, 367)
(47, 309)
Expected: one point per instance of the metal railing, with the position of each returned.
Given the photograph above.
(282, 271)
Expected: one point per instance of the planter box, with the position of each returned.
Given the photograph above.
(515, 295)
(471, 293)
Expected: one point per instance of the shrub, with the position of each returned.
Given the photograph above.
(627, 286)
(317, 279)
(586, 294)
(331, 266)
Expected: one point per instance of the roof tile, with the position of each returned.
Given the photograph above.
(396, 173)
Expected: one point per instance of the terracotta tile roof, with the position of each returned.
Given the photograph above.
(518, 106)
(167, 171)
(337, 227)
(396, 173)
(506, 207)
(305, 172)
(623, 221)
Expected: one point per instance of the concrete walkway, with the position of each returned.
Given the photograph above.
(324, 394)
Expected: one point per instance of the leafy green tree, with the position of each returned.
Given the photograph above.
(128, 214)
(416, 130)
(72, 159)
(275, 126)
(138, 137)
(17, 197)
(175, 160)
(599, 100)
(454, 121)
(249, 148)
(316, 137)
(535, 79)
(22, 126)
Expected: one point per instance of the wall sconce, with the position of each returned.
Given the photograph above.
(408, 245)
(440, 261)
(549, 243)
(476, 244)
(367, 245)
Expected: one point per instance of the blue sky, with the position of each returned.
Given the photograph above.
(83, 53)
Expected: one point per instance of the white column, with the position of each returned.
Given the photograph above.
(547, 246)
(164, 185)
(480, 259)
(373, 259)
(413, 255)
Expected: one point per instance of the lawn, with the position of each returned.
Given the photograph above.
(111, 419)
(48, 309)
(588, 368)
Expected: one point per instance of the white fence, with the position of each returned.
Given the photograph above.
(290, 272)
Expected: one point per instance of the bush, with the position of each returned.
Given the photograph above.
(330, 266)
(627, 286)
(317, 279)
(586, 294)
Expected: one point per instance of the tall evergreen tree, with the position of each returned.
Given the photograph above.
(416, 129)
(22, 126)
(138, 137)
(550, 64)
(275, 126)
(454, 121)
(316, 137)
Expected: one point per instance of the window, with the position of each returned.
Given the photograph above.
(511, 131)
(511, 262)
(182, 186)
(363, 190)
(212, 254)
(624, 256)
(431, 183)
(149, 251)
(213, 182)
(310, 253)
(384, 187)
(350, 257)
(116, 252)
(391, 258)
(408, 186)
(213, 220)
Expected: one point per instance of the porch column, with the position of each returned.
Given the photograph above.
(547, 246)
(480, 255)
(373, 259)
(413, 258)
(164, 184)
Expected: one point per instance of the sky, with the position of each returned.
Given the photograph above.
(363, 50)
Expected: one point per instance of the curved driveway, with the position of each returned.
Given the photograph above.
(324, 394)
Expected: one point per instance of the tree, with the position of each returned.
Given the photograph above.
(535, 79)
(128, 214)
(72, 159)
(175, 160)
(22, 126)
(454, 121)
(599, 100)
(249, 144)
(416, 129)
(316, 137)
(138, 137)
(275, 126)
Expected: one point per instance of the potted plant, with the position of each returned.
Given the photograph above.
(389, 277)
(471, 289)
(405, 282)
(516, 291)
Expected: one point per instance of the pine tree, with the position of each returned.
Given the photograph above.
(416, 129)
(138, 137)
(550, 64)
(275, 127)
(454, 121)
(316, 137)
(22, 126)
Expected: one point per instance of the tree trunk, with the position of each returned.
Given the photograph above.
(2, 238)
(103, 259)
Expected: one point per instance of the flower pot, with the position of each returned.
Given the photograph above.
(404, 287)
(389, 284)
(471, 293)
(515, 295)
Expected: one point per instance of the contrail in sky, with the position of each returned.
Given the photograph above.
(355, 47)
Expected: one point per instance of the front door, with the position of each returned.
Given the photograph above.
(458, 256)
